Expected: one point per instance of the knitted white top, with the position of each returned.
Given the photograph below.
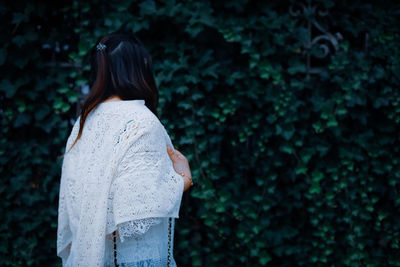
(118, 176)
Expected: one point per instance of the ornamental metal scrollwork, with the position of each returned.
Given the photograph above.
(325, 41)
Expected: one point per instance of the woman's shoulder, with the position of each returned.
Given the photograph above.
(126, 111)
(117, 118)
(133, 116)
(141, 116)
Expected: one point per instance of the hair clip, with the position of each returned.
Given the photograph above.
(101, 46)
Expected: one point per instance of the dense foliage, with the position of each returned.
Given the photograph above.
(294, 164)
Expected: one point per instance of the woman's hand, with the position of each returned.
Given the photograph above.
(181, 166)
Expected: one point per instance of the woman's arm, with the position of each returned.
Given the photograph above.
(181, 166)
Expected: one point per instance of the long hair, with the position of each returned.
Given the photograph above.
(120, 66)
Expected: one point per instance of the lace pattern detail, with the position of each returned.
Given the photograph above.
(136, 228)
(144, 177)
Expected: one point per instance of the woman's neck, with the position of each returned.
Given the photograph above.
(112, 98)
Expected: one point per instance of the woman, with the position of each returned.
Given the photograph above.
(121, 181)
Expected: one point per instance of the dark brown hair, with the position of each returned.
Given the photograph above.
(123, 68)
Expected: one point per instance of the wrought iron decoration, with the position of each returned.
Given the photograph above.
(325, 40)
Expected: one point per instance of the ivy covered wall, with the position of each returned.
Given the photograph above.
(288, 112)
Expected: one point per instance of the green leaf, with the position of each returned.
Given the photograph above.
(147, 7)
(8, 88)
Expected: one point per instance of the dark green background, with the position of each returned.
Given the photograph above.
(289, 169)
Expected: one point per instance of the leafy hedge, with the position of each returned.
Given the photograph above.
(290, 168)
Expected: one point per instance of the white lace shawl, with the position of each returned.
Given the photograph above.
(117, 176)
